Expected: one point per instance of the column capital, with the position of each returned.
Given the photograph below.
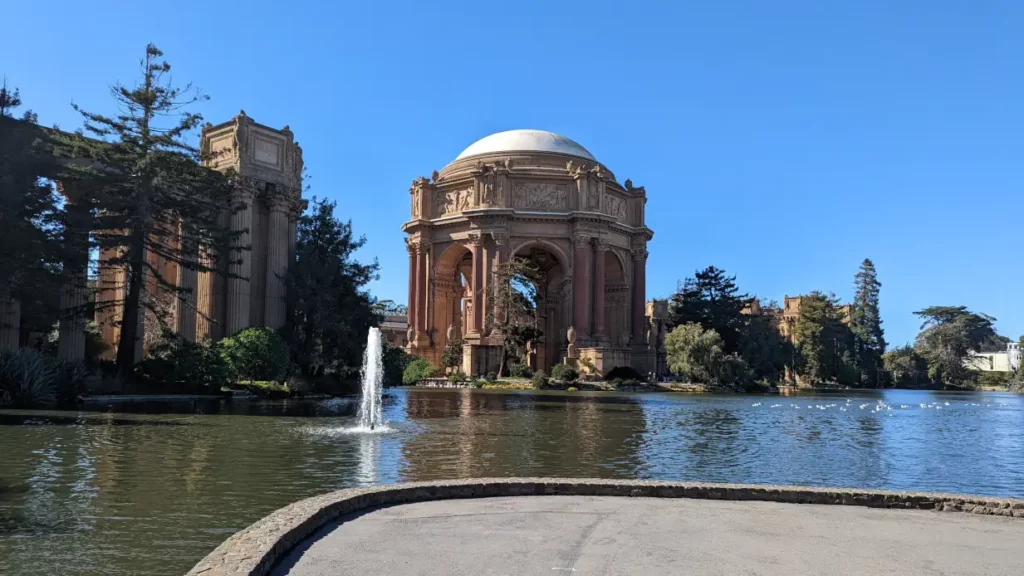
(600, 244)
(475, 239)
(280, 203)
(500, 238)
(580, 241)
(413, 246)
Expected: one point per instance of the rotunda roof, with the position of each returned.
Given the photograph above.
(525, 141)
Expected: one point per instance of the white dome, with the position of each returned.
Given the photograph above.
(525, 141)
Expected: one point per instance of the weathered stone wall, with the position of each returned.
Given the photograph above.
(256, 549)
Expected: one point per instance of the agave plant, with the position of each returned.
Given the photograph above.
(28, 379)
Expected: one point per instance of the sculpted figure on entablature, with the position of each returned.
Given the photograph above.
(614, 206)
(539, 196)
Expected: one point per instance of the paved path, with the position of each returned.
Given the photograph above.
(584, 535)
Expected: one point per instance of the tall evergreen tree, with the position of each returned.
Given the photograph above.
(948, 335)
(329, 308)
(823, 341)
(866, 324)
(710, 298)
(150, 193)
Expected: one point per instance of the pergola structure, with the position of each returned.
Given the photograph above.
(541, 196)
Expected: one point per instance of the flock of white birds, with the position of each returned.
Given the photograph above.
(879, 406)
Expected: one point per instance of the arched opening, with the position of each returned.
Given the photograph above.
(616, 300)
(452, 297)
(554, 302)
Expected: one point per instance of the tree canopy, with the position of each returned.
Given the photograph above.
(823, 341)
(710, 298)
(948, 335)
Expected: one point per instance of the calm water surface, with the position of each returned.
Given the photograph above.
(130, 493)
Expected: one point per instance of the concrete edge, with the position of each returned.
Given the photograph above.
(256, 549)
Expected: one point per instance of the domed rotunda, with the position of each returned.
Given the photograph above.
(537, 195)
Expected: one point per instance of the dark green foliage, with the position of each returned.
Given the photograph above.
(395, 360)
(520, 370)
(624, 373)
(866, 325)
(457, 376)
(329, 308)
(178, 366)
(565, 373)
(390, 308)
(698, 355)
(540, 380)
(417, 370)
(948, 335)
(149, 193)
(906, 368)
(824, 343)
(764, 349)
(32, 379)
(994, 379)
(492, 376)
(710, 298)
(451, 357)
(257, 354)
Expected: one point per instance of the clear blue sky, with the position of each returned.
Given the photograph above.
(783, 141)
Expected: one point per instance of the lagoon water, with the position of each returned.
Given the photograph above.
(120, 491)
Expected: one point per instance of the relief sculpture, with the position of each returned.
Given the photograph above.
(614, 206)
(538, 196)
(454, 201)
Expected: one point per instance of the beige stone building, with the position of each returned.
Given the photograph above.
(785, 318)
(536, 195)
(268, 203)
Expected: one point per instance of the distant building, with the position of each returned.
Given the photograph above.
(1008, 361)
(784, 319)
(394, 330)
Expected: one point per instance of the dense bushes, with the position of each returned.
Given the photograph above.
(540, 380)
(395, 361)
(520, 370)
(257, 354)
(417, 370)
(31, 379)
(624, 373)
(180, 366)
(565, 373)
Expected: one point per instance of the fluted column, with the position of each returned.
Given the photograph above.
(188, 279)
(71, 338)
(421, 292)
(206, 297)
(639, 292)
(580, 255)
(600, 248)
(10, 322)
(240, 266)
(277, 262)
(501, 241)
(476, 249)
(410, 246)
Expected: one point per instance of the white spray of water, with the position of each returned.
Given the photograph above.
(371, 413)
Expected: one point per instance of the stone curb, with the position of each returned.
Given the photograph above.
(254, 550)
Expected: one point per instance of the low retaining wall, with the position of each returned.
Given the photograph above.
(256, 549)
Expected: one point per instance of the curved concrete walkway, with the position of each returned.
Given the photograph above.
(583, 535)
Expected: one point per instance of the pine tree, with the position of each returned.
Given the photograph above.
(150, 193)
(710, 298)
(823, 341)
(517, 304)
(329, 309)
(866, 324)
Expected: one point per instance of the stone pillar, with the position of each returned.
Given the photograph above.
(206, 298)
(278, 245)
(421, 291)
(477, 250)
(240, 264)
(188, 279)
(10, 322)
(639, 252)
(600, 248)
(486, 301)
(411, 247)
(501, 242)
(580, 285)
(71, 338)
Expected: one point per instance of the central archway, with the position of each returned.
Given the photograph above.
(555, 302)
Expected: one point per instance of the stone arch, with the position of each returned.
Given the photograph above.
(616, 299)
(449, 297)
(548, 245)
(557, 304)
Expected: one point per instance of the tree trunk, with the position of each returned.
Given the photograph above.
(130, 316)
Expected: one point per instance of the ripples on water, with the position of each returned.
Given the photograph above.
(122, 493)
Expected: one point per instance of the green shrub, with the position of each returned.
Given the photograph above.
(72, 378)
(28, 379)
(623, 373)
(492, 376)
(177, 365)
(417, 370)
(994, 379)
(520, 370)
(457, 376)
(395, 361)
(572, 389)
(257, 354)
(540, 380)
(565, 373)
(451, 357)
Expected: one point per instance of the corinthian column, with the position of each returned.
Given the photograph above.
(600, 248)
(412, 248)
(10, 322)
(277, 262)
(188, 278)
(206, 297)
(476, 249)
(639, 252)
(71, 339)
(240, 263)
(580, 255)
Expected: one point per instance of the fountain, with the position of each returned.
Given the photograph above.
(371, 417)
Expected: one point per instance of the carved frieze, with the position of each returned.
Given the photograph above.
(615, 206)
(453, 201)
(539, 196)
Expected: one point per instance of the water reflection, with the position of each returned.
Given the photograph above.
(122, 491)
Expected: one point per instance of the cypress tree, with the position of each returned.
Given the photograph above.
(866, 324)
